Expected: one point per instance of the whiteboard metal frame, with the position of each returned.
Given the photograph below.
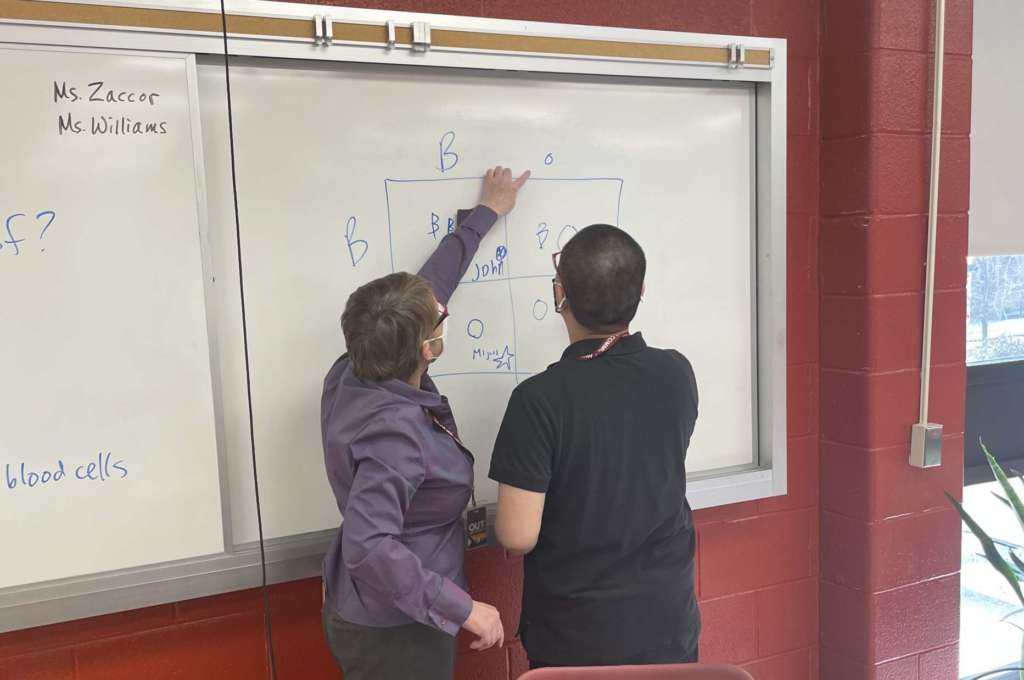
(300, 556)
(203, 220)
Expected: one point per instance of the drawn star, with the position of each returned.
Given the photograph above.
(504, 360)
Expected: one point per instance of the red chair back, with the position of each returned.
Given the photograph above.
(674, 672)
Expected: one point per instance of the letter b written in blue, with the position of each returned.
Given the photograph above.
(449, 159)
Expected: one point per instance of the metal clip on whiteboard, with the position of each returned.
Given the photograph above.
(318, 30)
(420, 36)
(328, 30)
(737, 55)
(391, 34)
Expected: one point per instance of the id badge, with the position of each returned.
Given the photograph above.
(476, 527)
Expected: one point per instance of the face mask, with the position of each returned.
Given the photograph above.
(442, 336)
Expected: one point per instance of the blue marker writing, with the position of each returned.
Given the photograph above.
(435, 224)
(10, 233)
(542, 234)
(449, 159)
(490, 269)
(52, 215)
(353, 243)
(101, 469)
(504, 360)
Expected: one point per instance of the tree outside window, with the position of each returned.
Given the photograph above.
(995, 314)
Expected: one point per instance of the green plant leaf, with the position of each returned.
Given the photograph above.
(991, 552)
(1019, 564)
(1019, 475)
(1011, 493)
(1008, 619)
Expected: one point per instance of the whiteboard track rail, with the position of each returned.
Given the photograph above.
(288, 559)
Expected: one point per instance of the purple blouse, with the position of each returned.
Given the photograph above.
(401, 481)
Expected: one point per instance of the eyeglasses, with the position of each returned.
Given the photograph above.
(556, 257)
(555, 285)
(443, 309)
(444, 315)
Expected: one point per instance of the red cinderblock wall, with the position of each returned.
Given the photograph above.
(888, 581)
(890, 541)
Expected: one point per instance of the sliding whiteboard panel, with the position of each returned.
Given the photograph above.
(346, 173)
(108, 451)
(997, 138)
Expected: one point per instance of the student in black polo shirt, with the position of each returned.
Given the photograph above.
(590, 460)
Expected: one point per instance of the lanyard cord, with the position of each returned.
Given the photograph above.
(606, 345)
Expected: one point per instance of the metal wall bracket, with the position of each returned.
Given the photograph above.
(323, 30)
(737, 55)
(318, 29)
(926, 445)
(391, 34)
(420, 36)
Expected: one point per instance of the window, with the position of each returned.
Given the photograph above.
(995, 309)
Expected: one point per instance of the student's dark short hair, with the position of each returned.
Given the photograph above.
(385, 323)
(602, 273)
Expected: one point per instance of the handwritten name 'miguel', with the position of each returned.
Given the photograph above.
(101, 124)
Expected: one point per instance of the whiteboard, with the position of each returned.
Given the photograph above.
(679, 156)
(108, 451)
(346, 173)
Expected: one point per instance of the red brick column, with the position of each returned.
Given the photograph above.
(890, 542)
